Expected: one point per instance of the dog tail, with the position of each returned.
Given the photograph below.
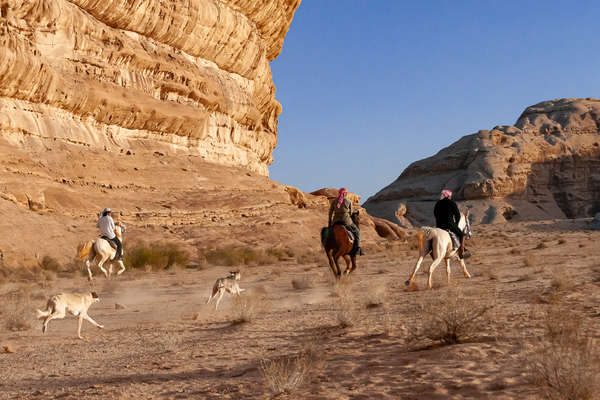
(42, 314)
(420, 241)
(84, 249)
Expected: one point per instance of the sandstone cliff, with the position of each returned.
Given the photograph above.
(175, 76)
(544, 166)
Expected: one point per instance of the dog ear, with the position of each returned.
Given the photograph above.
(94, 295)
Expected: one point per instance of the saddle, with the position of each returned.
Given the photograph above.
(348, 232)
(110, 242)
(454, 238)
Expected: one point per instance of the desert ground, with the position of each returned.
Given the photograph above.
(296, 334)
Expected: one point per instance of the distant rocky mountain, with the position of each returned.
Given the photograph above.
(546, 165)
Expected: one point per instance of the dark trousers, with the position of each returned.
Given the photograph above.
(453, 228)
(356, 232)
(117, 242)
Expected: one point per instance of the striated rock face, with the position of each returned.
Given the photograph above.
(174, 76)
(547, 165)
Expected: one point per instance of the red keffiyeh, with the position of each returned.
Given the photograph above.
(446, 194)
(341, 196)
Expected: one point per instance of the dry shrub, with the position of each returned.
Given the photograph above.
(524, 277)
(247, 307)
(386, 321)
(515, 251)
(375, 296)
(156, 256)
(346, 314)
(452, 317)
(170, 342)
(306, 282)
(288, 373)
(236, 256)
(562, 241)
(540, 246)
(530, 260)
(50, 264)
(309, 257)
(561, 281)
(565, 362)
(492, 275)
(18, 314)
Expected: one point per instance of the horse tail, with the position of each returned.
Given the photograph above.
(324, 235)
(420, 240)
(84, 249)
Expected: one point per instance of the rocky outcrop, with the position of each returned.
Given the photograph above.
(189, 77)
(383, 227)
(544, 166)
(331, 193)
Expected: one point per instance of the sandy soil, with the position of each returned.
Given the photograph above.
(167, 344)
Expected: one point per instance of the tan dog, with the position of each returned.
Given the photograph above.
(227, 284)
(75, 304)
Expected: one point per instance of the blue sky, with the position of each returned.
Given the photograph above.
(369, 86)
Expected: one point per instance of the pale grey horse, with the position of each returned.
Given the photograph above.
(439, 243)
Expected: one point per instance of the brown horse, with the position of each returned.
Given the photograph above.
(337, 244)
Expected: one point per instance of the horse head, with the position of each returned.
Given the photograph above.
(119, 229)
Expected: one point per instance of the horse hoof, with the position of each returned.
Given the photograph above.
(407, 283)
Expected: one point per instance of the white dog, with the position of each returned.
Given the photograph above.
(75, 304)
(227, 284)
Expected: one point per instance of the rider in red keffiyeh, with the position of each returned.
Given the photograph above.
(341, 210)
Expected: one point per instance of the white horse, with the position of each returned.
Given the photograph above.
(439, 243)
(101, 249)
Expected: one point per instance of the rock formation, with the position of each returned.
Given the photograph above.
(547, 165)
(189, 77)
(383, 227)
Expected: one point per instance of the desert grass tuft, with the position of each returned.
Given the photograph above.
(303, 283)
(375, 296)
(237, 256)
(564, 362)
(346, 314)
(18, 312)
(156, 256)
(50, 264)
(170, 342)
(515, 251)
(561, 281)
(452, 317)
(246, 307)
(531, 260)
(286, 374)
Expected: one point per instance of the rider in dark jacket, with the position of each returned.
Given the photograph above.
(447, 217)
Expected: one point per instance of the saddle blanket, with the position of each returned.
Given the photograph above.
(110, 242)
(348, 232)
